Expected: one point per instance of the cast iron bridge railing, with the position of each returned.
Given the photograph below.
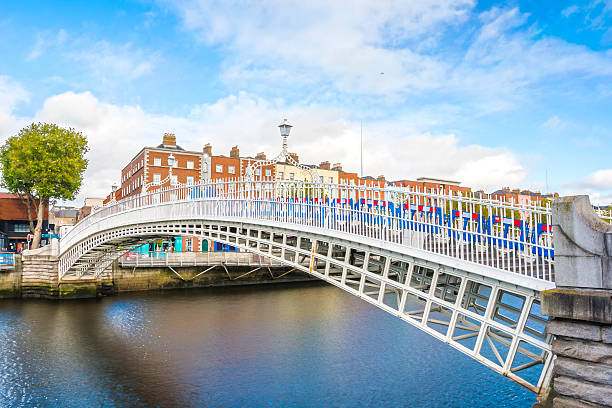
(466, 269)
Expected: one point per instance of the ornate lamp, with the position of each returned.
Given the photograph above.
(285, 129)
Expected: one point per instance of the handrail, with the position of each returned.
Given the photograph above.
(515, 237)
(165, 258)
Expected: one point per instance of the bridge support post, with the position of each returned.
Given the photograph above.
(581, 306)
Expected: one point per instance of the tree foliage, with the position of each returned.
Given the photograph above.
(42, 163)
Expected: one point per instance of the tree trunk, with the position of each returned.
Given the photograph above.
(27, 201)
(40, 214)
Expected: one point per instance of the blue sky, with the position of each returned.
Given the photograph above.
(491, 93)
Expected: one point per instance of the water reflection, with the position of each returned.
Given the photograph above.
(280, 345)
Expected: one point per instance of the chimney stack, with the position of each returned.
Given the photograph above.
(169, 140)
(235, 153)
(380, 178)
(260, 156)
(208, 149)
(324, 165)
(337, 166)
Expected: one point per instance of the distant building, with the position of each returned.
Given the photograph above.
(521, 196)
(61, 216)
(223, 167)
(432, 185)
(93, 202)
(14, 224)
(89, 205)
(150, 168)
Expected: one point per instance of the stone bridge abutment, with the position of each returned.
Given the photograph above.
(581, 306)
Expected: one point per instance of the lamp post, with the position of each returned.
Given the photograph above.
(285, 129)
(283, 156)
(171, 164)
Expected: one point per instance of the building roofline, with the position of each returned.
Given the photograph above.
(162, 149)
(422, 179)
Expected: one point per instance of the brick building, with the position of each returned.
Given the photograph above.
(88, 206)
(430, 185)
(521, 196)
(14, 224)
(150, 169)
(265, 172)
(223, 167)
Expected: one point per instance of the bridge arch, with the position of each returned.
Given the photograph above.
(491, 320)
(455, 267)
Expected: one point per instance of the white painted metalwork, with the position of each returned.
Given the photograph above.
(494, 237)
(468, 270)
(171, 164)
(161, 258)
(283, 156)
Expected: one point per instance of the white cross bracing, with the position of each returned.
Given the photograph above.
(464, 269)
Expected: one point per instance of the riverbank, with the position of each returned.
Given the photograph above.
(14, 283)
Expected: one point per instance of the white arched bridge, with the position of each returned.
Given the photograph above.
(467, 270)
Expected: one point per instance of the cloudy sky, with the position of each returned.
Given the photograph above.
(493, 94)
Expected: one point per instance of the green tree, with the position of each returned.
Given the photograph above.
(42, 163)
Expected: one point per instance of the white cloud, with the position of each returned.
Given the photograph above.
(601, 179)
(555, 123)
(110, 62)
(11, 94)
(116, 133)
(345, 45)
(348, 42)
(570, 10)
(45, 40)
(598, 185)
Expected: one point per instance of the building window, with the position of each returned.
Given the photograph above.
(258, 172)
(22, 228)
(190, 164)
(189, 244)
(189, 179)
(291, 176)
(231, 169)
(174, 180)
(281, 175)
(321, 179)
(331, 179)
(156, 178)
(268, 173)
(157, 161)
(219, 168)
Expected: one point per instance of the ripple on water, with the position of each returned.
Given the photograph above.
(277, 346)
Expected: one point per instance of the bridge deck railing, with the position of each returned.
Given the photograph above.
(161, 258)
(513, 237)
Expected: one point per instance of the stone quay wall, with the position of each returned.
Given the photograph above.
(158, 278)
(581, 306)
(10, 280)
(35, 275)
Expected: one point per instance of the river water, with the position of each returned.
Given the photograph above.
(284, 345)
